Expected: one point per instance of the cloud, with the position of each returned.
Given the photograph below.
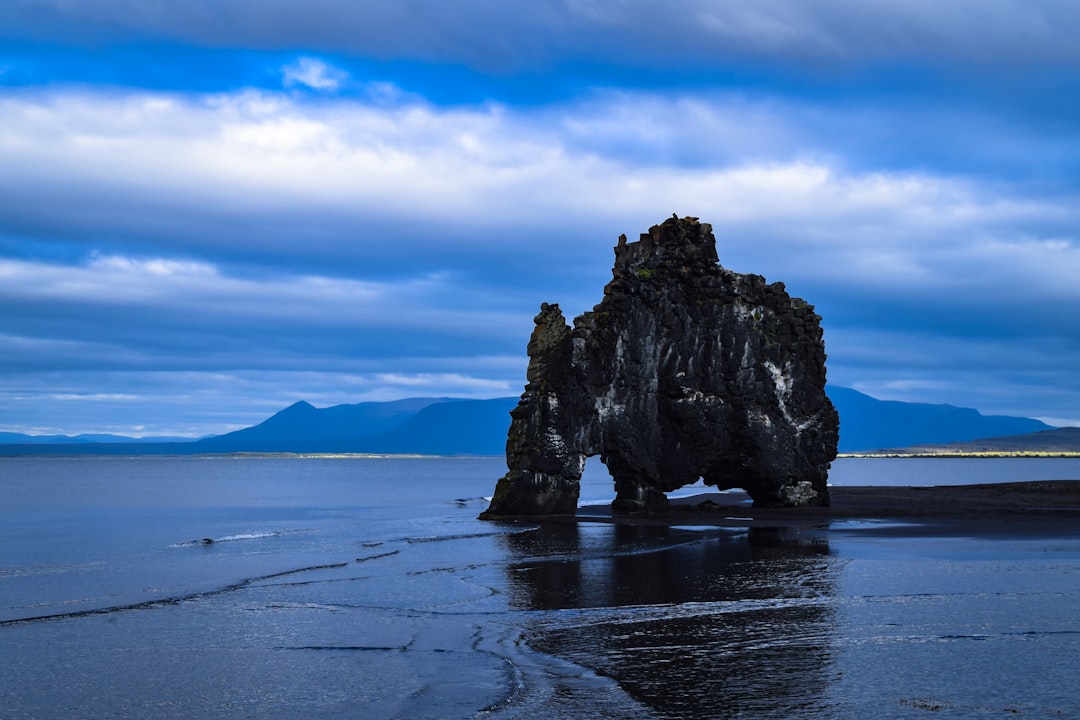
(472, 386)
(146, 164)
(500, 36)
(333, 239)
(195, 403)
(312, 73)
(486, 193)
(143, 313)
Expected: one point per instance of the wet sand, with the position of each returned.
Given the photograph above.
(1016, 508)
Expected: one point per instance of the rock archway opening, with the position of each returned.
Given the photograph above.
(598, 489)
(686, 493)
(597, 485)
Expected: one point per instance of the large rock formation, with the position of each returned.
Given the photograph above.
(685, 370)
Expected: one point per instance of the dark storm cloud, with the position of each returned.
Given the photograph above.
(501, 35)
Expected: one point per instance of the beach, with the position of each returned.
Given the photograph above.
(1037, 507)
(367, 587)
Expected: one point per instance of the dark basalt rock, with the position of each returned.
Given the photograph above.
(685, 370)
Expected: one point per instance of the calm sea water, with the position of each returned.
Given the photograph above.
(366, 588)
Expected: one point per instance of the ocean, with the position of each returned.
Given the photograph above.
(366, 588)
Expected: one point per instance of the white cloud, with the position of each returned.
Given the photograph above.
(261, 172)
(313, 73)
(168, 196)
(201, 293)
(114, 266)
(92, 397)
(250, 154)
(458, 384)
(1071, 421)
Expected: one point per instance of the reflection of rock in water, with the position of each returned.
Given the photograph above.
(693, 627)
(769, 663)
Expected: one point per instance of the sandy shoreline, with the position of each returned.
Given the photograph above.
(1016, 508)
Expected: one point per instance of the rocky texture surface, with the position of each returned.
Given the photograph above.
(685, 370)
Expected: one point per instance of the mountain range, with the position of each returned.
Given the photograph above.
(448, 426)
(867, 423)
(10, 437)
(1055, 440)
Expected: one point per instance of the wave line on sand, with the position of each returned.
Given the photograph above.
(172, 600)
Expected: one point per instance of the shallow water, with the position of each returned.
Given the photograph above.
(367, 588)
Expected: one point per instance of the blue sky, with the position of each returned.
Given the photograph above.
(214, 208)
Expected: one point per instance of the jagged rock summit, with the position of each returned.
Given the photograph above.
(685, 370)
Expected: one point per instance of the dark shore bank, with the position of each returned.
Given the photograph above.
(1015, 508)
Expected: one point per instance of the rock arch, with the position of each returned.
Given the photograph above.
(685, 370)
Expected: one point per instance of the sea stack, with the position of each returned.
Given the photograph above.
(685, 370)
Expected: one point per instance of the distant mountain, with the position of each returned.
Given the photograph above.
(1056, 440)
(867, 423)
(465, 427)
(415, 426)
(10, 437)
(301, 427)
(448, 426)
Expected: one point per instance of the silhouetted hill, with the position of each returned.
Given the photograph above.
(415, 426)
(867, 423)
(465, 427)
(301, 427)
(420, 426)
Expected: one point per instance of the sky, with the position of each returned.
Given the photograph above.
(212, 209)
